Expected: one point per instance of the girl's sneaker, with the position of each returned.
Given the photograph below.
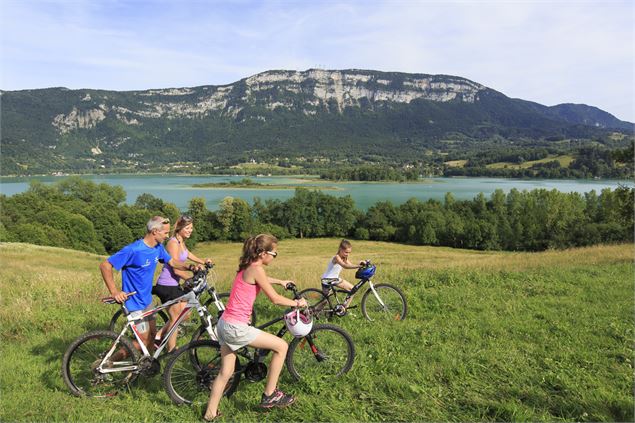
(276, 399)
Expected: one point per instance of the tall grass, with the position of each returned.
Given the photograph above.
(490, 336)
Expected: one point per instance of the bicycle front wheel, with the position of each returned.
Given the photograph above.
(318, 302)
(189, 374)
(328, 351)
(85, 356)
(386, 303)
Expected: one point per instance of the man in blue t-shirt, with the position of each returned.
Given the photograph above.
(137, 262)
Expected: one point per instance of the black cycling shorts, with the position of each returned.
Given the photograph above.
(167, 293)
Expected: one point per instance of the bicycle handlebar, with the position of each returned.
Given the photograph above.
(111, 300)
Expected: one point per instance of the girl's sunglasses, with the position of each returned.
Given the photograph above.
(273, 254)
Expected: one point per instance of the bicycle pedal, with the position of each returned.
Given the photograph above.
(350, 307)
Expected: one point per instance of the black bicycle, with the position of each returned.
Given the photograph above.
(381, 301)
(326, 352)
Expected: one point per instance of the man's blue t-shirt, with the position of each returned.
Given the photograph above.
(137, 263)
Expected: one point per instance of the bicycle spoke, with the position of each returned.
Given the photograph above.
(330, 355)
(81, 365)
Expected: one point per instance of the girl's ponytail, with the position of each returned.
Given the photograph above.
(253, 247)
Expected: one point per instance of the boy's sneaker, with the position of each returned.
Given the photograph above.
(277, 399)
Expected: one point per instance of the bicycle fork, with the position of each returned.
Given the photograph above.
(374, 291)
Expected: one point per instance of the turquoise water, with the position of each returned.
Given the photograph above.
(178, 189)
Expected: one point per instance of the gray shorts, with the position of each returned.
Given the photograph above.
(143, 325)
(235, 336)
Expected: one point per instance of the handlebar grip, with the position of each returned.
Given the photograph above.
(111, 300)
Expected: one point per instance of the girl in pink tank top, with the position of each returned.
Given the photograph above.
(233, 327)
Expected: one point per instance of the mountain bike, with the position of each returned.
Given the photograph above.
(326, 352)
(380, 301)
(102, 362)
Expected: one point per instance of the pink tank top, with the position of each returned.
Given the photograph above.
(241, 301)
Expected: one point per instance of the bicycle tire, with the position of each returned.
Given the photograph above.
(81, 356)
(189, 373)
(334, 355)
(319, 303)
(395, 305)
(118, 321)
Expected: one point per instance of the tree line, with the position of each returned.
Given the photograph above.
(82, 215)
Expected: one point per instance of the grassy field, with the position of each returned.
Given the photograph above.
(490, 336)
(564, 160)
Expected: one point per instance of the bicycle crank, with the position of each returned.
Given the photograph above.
(340, 310)
(149, 366)
(255, 372)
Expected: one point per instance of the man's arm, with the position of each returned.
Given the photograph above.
(106, 273)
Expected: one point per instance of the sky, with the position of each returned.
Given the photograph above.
(550, 52)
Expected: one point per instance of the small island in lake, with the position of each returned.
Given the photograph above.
(248, 183)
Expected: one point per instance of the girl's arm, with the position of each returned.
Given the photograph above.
(345, 264)
(173, 250)
(282, 283)
(264, 282)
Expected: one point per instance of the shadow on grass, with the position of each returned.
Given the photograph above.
(51, 353)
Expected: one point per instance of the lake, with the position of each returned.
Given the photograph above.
(178, 189)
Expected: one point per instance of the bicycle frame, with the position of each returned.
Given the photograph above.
(192, 302)
(353, 291)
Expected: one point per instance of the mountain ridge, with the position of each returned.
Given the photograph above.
(277, 112)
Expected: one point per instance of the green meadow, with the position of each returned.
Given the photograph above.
(490, 336)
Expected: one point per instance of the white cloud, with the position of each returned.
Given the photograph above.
(549, 52)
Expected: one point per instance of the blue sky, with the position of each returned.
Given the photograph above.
(550, 52)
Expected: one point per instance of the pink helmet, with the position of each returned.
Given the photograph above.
(299, 322)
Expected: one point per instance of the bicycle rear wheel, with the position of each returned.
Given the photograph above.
(83, 357)
(394, 303)
(189, 374)
(318, 302)
(328, 351)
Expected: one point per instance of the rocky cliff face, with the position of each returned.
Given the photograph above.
(307, 92)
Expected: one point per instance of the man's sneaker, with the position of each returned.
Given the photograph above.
(277, 399)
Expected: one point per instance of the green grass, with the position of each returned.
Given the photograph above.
(490, 336)
(564, 160)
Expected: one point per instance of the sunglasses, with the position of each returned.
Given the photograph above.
(273, 254)
(165, 221)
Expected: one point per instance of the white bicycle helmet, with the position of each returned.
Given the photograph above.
(299, 322)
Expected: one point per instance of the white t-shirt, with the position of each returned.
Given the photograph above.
(333, 270)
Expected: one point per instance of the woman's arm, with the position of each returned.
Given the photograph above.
(195, 259)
